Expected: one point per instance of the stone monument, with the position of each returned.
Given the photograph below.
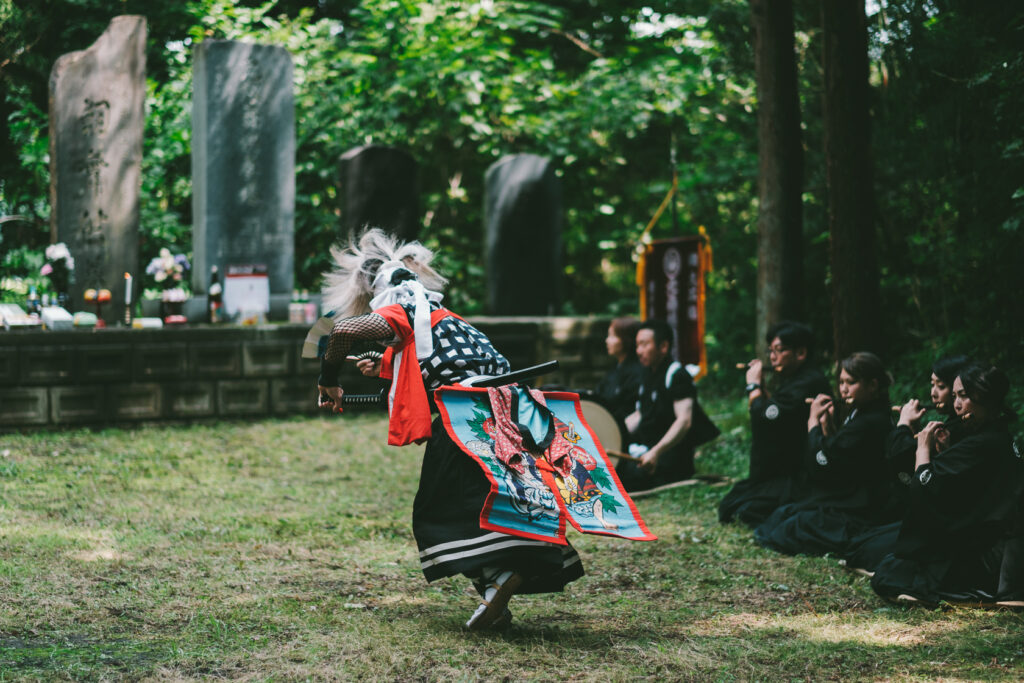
(523, 221)
(380, 189)
(97, 114)
(243, 163)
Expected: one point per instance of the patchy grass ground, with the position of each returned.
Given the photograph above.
(283, 550)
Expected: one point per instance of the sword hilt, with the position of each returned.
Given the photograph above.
(379, 398)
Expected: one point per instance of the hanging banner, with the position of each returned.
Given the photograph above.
(671, 277)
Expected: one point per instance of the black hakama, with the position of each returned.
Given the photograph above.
(446, 524)
(867, 549)
(849, 489)
(1011, 572)
(778, 427)
(961, 508)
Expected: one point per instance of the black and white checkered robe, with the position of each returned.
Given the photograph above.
(460, 351)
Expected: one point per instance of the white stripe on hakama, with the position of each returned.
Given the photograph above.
(491, 547)
(571, 560)
(462, 542)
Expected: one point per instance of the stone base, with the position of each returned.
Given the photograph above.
(198, 371)
(195, 307)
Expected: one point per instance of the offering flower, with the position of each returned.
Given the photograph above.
(59, 266)
(168, 269)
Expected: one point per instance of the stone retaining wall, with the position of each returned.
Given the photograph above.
(200, 372)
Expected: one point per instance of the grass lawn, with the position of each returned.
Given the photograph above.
(282, 550)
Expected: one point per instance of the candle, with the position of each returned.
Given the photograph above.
(127, 289)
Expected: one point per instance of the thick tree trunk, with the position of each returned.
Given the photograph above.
(780, 179)
(856, 319)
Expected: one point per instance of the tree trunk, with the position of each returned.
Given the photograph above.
(781, 161)
(856, 315)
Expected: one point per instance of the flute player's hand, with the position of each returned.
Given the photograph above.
(827, 421)
(755, 371)
(910, 413)
(927, 437)
(819, 406)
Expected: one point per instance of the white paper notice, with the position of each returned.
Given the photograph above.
(248, 292)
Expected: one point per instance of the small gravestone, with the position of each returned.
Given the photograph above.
(97, 115)
(380, 189)
(243, 163)
(523, 219)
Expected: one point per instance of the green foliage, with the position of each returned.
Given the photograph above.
(949, 168)
(606, 89)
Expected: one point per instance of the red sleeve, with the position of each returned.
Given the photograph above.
(409, 411)
(399, 322)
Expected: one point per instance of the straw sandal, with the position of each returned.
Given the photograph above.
(493, 606)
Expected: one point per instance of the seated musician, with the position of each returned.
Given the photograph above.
(868, 549)
(620, 388)
(901, 444)
(848, 481)
(778, 419)
(668, 423)
(963, 501)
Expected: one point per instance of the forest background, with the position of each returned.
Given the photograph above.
(608, 89)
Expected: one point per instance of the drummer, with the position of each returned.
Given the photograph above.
(668, 422)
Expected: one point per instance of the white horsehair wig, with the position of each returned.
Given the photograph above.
(348, 288)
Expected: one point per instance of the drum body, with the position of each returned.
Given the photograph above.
(611, 432)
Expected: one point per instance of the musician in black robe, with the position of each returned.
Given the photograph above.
(848, 490)
(669, 422)
(619, 390)
(963, 502)
(778, 425)
(868, 549)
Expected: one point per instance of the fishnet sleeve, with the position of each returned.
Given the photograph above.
(347, 331)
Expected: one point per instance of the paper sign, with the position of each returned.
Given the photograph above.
(246, 290)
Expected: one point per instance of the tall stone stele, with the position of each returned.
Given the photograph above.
(380, 186)
(523, 240)
(97, 115)
(243, 163)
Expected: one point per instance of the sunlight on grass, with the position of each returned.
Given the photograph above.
(86, 545)
(842, 628)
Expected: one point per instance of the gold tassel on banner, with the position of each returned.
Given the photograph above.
(643, 246)
(645, 249)
(705, 264)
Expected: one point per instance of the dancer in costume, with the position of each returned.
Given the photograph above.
(387, 292)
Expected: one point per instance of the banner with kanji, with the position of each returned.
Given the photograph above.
(671, 275)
